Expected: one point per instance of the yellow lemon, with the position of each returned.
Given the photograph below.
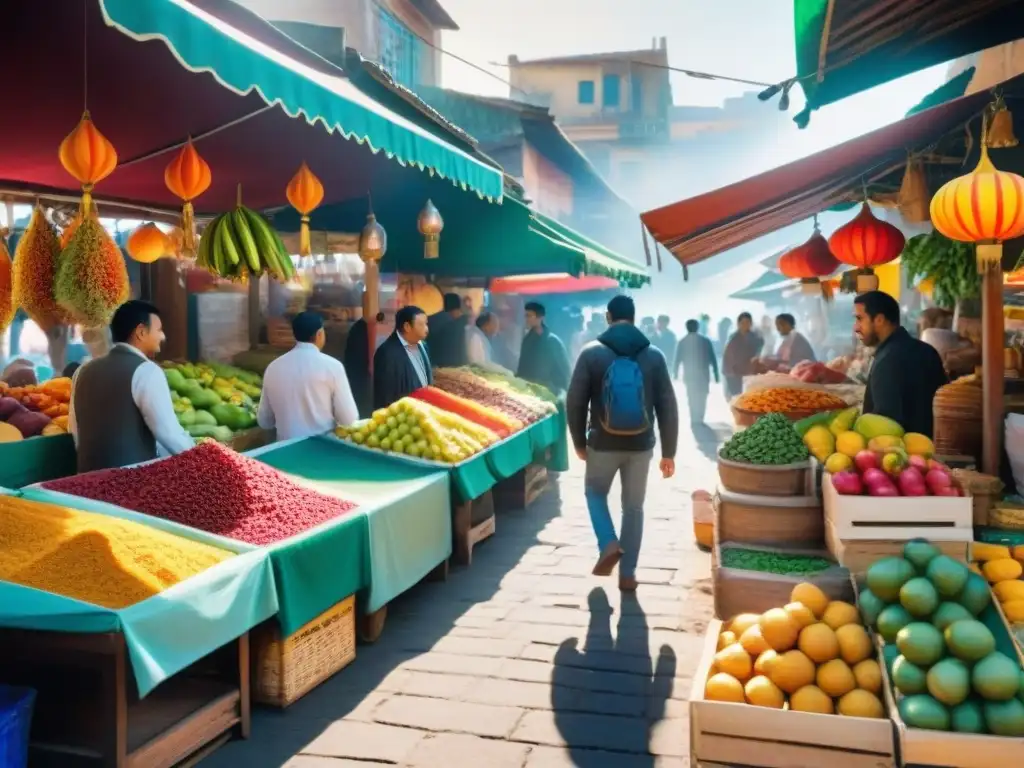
(753, 641)
(741, 623)
(762, 692)
(838, 462)
(791, 671)
(800, 613)
(835, 678)
(860, 703)
(819, 643)
(868, 675)
(763, 662)
(723, 687)
(850, 443)
(811, 698)
(854, 643)
(735, 661)
(838, 614)
(725, 639)
(779, 629)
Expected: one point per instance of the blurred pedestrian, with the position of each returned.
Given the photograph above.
(696, 356)
(542, 357)
(666, 341)
(738, 357)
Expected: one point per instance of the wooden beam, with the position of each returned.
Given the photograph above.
(992, 369)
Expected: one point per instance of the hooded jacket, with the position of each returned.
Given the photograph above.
(585, 393)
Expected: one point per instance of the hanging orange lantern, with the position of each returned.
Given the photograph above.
(810, 262)
(188, 176)
(87, 155)
(430, 225)
(866, 242)
(148, 243)
(305, 193)
(985, 207)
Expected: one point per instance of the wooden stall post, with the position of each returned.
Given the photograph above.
(255, 319)
(371, 302)
(992, 369)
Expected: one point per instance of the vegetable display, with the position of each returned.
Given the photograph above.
(39, 410)
(35, 265)
(769, 440)
(773, 562)
(811, 655)
(941, 653)
(493, 420)
(213, 400)
(950, 265)
(91, 279)
(102, 560)
(421, 430)
(214, 489)
(1002, 568)
(508, 395)
(514, 384)
(786, 399)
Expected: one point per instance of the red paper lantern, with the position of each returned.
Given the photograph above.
(813, 259)
(866, 242)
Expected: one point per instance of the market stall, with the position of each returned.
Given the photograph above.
(134, 636)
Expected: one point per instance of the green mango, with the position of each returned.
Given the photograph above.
(202, 398)
(187, 418)
(188, 370)
(205, 417)
(220, 434)
(233, 417)
(175, 380)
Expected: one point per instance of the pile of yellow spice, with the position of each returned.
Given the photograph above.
(101, 560)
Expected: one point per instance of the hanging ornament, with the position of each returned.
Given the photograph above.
(865, 243)
(6, 282)
(188, 176)
(913, 196)
(86, 154)
(430, 225)
(1000, 130)
(305, 193)
(809, 263)
(985, 207)
(148, 243)
(373, 240)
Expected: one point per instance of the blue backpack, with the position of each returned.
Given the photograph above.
(623, 398)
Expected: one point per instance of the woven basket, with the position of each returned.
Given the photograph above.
(985, 490)
(1007, 518)
(766, 480)
(286, 669)
(957, 412)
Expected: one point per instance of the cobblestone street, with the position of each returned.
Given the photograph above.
(524, 659)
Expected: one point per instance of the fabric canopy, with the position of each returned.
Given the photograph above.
(155, 72)
(478, 239)
(708, 224)
(536, 285)
(847, 46)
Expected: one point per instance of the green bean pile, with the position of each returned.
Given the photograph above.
(773, 562)
(769, 440)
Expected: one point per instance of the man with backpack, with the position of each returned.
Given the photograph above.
(621, 383)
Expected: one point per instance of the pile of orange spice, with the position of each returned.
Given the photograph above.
(102, 560)
(786, 399)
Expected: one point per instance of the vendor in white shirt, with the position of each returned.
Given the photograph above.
(306, 392)
(478, 342)
(121, 410)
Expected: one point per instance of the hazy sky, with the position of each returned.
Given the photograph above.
(749, 39)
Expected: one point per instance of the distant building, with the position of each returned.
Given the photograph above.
(389, 32)
(618, 107)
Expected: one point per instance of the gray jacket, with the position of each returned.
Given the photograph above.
(585, 393)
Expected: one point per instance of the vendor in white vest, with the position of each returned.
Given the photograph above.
(121, 410)
(306, 392)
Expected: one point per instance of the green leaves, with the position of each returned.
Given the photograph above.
(951, 264)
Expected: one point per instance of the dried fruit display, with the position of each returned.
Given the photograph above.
(214, 489)
(35, 267)
(478, 413)
(91, 280)
(491, 394)
(6, 286)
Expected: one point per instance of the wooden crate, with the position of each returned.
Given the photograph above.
(900, 519)
(742, 735)
(88, 712)
(286, 669)
(739, 591)
(472, 522)
(521, 489)
(857, 554)
(769, 520)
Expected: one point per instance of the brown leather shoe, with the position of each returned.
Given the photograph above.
(627, 583)
(609, 558)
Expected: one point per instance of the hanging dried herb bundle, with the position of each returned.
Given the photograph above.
(6, 284)
(35, 266)
(92, 280)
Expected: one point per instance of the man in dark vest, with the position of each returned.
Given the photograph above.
(121, 408)
(401, 364)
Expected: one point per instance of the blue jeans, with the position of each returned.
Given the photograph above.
(633, 467)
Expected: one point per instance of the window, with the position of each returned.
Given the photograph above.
(585, 92)
(636, 91)
(610, 90)
(399, 49)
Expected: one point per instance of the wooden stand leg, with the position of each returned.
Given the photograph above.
(371, 625)
(244, 681)
(992, 370)
(440, 573)
(461, 525)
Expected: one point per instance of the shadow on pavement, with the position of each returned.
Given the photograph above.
(416, 621)
(709, 438)
(611, 667)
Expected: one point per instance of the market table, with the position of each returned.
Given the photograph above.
(36, 460)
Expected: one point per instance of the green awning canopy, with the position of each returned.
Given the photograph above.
(203, 42)
(479, 239)
(949, 90)
(844, 47)
(768, 282)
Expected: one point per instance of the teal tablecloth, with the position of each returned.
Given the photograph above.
(170, 631)
(405, 512)
(36, 460)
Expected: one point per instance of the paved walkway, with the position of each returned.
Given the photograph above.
(524, 660)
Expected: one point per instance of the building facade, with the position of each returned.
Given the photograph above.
(404, 36)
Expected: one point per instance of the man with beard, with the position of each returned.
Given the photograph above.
(906, 372)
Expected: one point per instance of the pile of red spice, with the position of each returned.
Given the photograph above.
(214, 489)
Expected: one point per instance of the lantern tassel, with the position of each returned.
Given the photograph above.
(305, 245)
(188, 230)
(431, 246)
(86, 205)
